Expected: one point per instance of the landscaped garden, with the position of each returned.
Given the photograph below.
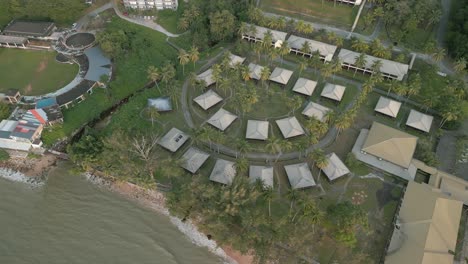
(33, 72)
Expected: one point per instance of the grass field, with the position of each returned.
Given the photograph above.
(33, 72)
(341, 15)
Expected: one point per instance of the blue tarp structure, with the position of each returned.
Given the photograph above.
(46, 103)
(99, 64)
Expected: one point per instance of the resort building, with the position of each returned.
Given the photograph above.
(388, 149)
(193, 159)
(263, 174)
(11, 96)
(317, 111)
(335, 168)
(13, 42)
(173, 140)
(299, 175)
(426, 227)
(304, 86)
(419, 121)
(29, 29)
(297, 44)
(222, 119)
(207, 77)
(21, 135)
(388, 107)
(257, 34)
(151, 4)
(281, 76)
(290, 127)
(389, 69)
(51, 109)
(208, 99)
(255, 71)
(257, 130)
(223, 172)
(333, 91)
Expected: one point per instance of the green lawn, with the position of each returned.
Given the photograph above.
(313, 10)
(33, 72)
(169, 19)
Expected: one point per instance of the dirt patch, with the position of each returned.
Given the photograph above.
(238, 256)
(28, 89)
(42, 66)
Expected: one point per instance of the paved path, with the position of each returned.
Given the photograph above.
(85, 19)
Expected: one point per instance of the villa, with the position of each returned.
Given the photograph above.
(333, 91)
(290, 127)
(388, 107)
(317, 111)
(299, 176)
(223, 172)
(222, 119)
(263, 174)
(335, 168)
(173, 140)
(255, 71)
(257, 130)
(193, 159)
(281, 76)
(419, 121)
(305, 86)
(208, 99)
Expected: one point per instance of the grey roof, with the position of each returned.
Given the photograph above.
(77, 91)
(333, 91)
(389, 67)
(173, 140)
(222, 119)
(193, 159)
(54, 113)
(206, 76)
(29, 28)
(315, 110)
(419, 121)
(281, 75)
(12, 39)
(261, 31)
(223, 172)
(208, 99)
(235, 60)
(388, 107)
(304, 86)
(255, 71)
(257, 129)
(262, 173)
(290, 127)
(325, 50)
(335, 168)
(99, 64)
(299, 176)
(161, 103)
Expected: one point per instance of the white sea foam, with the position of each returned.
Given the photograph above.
(17, 176)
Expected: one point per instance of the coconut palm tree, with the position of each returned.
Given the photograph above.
(245, 73)
(281, 23)
(284, 50)
(168, 73)
(305, 48)
(258, 50)
(315, 155)
(242, 165)
(154, 74)
(360, 46)
(174, 94)
(216, 71)
(153, 114)
(360, 62)
(224, 85)
(321, 162)
(308, 29)
(243, 146)
(183, 24)
(300, 26)
(439, 54)
(292, 195)
(342, 123)
(243, 28)
(460, 65)
(312, 214)
(302, 65)
(267, 40)
(265, 75)
(376, 66)
(273, 145)
(268, 195)
(184, 58)
(194, 55)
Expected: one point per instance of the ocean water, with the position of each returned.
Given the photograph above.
(69, 220)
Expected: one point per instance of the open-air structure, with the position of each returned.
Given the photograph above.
(13, 42)
(419, 121)
(299, 176)
(257, 130)
(235, 60)
(388, 107)
(304, 86)
(290, 127)
(193, 159)
(333, 91)
(335, 168)
(207, 77)
(317, 111)
(222, 119)
(255, 71)
(173, 140)
(281, 76)
(208, 99)
(426, 228)
(325, 50)
(161, 104)
(223, 172)
(258, 34)
(263, 174)
(389, 69)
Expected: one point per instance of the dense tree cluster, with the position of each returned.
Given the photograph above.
(457, 38)
(59, 11)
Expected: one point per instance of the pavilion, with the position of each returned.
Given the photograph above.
(290, 127)
(299, 176)
(419, 121)
(315, 110)
(193, 159)
(281, 76)
(388, 107)
(207, 77)
(304, 86)
(335, 168)
(262, 173)
(208, 99)
(257, 130)
(223, 172)
(333, 91)
(222, 119)
(173, 140)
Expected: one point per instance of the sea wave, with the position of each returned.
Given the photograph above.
(17, 176)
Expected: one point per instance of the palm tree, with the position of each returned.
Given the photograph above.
(360, 62)
(224, 85)
(308, 29)
(339, 41)
(434, 17)
(242, 165)
(439, 54)
(243, 28)
(174, 94)
(342, 123)
(401, 89)
(216, 71)
(321, 162)
(300, 26)
(281, 23)
(258, 50)
(360, 46)
(265, 75)
(430, 101)
(315, 61)
(268, 195)
(305, 49)
(448, 115)
(183, 24)
(312, 214)
(194, 55)
(315, 155)
(243, 146)
(330, 116)
(273, 145)
(327, 70)
(184, 58)
(284, 50)
(153, 114)
(331, 36)
(245, 73)
(154, 74)
(302, 65)
(273, 55)
(376, 66)
(292, 196)
(267, 40)
(460, 65)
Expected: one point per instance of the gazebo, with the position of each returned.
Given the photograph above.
(255, 71)
(315, 110)
(193, 159)
(299, 176)
(223, 172)
(262, 173)
(208, 99)
(257, 130)
(222, 119)
(281, 76)
(304, 86)
(419, 121)
(290, 127)
(388, 107)
(207, 77)
(173, 140)
(335, 168)
(333, 91)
